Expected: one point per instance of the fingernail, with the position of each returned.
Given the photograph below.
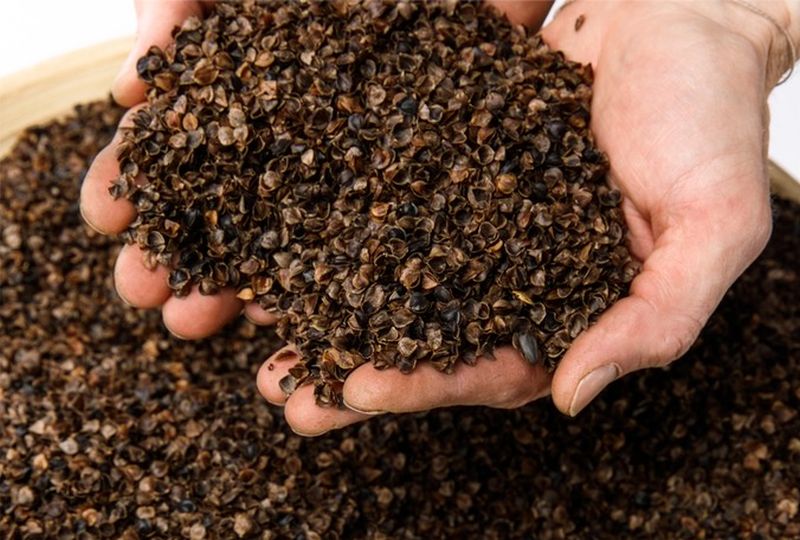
(125, 300)
(307, 435)
(591, 385)
(176, 334)
(126, 66)
(257, 322)
(246, 316)
(122, 296)
(89, 223)
(356, 409)
(284, 354)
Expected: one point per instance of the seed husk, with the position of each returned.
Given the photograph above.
(359, 179)
(172, 439)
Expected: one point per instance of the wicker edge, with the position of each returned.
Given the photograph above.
(51, 89)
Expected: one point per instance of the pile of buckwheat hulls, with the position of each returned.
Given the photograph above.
(402, 182)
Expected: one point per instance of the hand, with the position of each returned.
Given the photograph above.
(193, 316)
(680, 108)
(196, 316)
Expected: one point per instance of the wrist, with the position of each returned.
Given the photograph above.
(771, 26)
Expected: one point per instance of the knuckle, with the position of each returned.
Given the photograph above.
(518, 385)
(515, 396)
(677, 342)
(680, 331)
(654, 288)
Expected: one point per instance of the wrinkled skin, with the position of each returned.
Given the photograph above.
(679, 106)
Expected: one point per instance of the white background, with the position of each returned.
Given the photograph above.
(34, 30)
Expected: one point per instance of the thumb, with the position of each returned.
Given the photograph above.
(155, 21)
(681, 283)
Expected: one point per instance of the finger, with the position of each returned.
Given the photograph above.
(275, 368)
(308, 419)
(196, 315)
(99, 209)
(680, 285)
(528, 13)
(156, 19)
(260, 316)
(136, 284)
(508, 381)
(578, 36)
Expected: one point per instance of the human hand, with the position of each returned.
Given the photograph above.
(680, 108)
(196, 316)
(193, 316)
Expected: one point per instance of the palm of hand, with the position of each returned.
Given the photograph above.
(191, 317)
(679, 108)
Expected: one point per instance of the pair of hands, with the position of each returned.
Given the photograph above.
(679, 106)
